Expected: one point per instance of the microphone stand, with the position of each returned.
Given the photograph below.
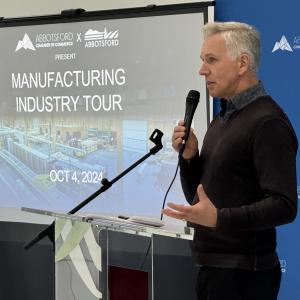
(155, 137)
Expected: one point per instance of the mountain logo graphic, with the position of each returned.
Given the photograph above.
(283, 45)
(25, 43)
(92, 35)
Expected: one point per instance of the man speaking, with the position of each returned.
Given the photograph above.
(243, 182)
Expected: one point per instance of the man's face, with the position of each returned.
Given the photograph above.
(220, 70)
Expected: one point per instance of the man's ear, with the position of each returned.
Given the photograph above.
(244, 63)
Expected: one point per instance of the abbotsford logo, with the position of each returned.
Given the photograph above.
(25, 43)
(283, 45)
(95, 38)
(97, 35)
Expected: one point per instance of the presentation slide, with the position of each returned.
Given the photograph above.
(79, 101)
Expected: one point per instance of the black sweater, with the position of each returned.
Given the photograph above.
(247, 166)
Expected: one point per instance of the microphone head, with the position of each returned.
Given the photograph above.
(194, 95)
(192, 101)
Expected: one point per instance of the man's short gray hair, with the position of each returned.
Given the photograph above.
(239, 38)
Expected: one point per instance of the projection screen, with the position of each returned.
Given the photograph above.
(80, 96)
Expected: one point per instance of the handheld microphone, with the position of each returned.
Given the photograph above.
(192, 101)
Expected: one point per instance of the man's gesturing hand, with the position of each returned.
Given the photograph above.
(203, 212)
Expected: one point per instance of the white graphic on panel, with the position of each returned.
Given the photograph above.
(25, 43)
(92, 35)
(283, 45)
(296, 42)
(72, 235)
(283, 265)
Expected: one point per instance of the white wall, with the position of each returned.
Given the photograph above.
(18, 8)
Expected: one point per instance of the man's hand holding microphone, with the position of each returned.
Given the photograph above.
(185, 143)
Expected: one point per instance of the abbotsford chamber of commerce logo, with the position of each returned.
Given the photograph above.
(25, 43)
(283, 45)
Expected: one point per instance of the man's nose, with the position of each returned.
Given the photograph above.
(203, 70)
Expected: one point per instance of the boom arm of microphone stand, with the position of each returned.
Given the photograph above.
(155, 137)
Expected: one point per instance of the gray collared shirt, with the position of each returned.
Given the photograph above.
(240, 100)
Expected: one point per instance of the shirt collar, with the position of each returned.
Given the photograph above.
(241, 100)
